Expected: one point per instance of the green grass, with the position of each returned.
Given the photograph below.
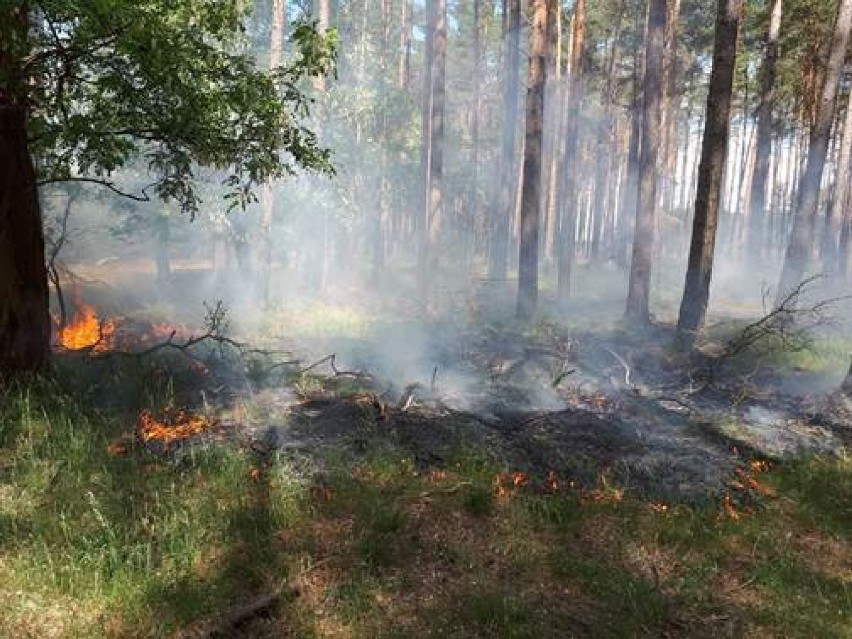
(100, 545)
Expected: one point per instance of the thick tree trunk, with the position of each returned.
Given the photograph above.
(801, 241)
(531, 196)
(504, 210)
(24, 297)
(757, 196)
(639, 288)
(711, 171)
(24, 305)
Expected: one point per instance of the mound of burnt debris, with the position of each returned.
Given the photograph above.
(623, 406)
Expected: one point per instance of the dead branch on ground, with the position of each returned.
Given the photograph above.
(789, 322)
(331, 360)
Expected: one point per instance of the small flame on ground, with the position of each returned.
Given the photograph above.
(176, 426)
(552, 481)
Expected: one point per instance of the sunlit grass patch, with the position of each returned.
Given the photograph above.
(119, 532)
(120, 542)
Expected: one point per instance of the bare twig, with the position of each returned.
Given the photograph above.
(331, 360)
(789, 322)
(623, 363)
(52, 271)
(144, 197)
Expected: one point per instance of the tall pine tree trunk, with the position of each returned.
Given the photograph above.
(422, 225)
(711, 171)
(24, 301)
(630, 192)
(531, 195)
(801, 240)
(756, 206)
(573, 168)
(833, 231)
(639, 286)
(436, 134)
(276, 40)
(503, 211)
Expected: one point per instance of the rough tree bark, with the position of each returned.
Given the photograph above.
(24, 301)
(531, 196)
(639, 287)
(711, 171)
(801, 241)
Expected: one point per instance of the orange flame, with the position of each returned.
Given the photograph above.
(176, 425)
(552, 481)
(87, 331)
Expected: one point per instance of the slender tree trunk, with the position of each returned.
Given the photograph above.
(711, 171)
(436, 130)
(531, 197)
(422, 225)
(669, 106)
(553, 120)
(404, 64)
(276, 40)
(630, 192)
(24, 297)
(473, 209)
(573, 168)
(639, 288)
(503, 213)
(606, 130)
(801, 238)
(763, 149)
(837, 208)
(162, 240)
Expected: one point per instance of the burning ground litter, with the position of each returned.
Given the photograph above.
(577, 406)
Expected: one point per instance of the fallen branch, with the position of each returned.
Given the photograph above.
(223, 624)
(446, 491)
(787, 321)
(331, 359)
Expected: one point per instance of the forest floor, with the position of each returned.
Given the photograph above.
(436, 478)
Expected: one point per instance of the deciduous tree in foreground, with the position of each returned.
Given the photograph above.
(87, 88)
